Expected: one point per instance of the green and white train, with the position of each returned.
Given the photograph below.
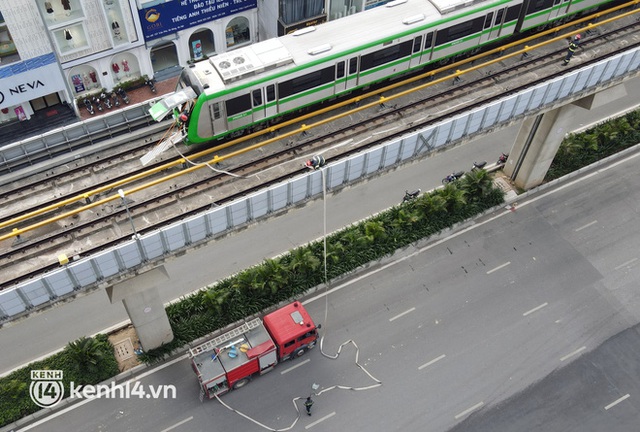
(251, 87)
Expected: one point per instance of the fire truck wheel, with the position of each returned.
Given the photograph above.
(241, 383)
(300, 352)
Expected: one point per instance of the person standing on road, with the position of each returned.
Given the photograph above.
(573, 46)
(308, 404)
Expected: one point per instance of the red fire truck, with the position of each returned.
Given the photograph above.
(254, 348)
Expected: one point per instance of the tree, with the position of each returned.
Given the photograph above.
(303, 261)
(86, 353)
(270, 276)
(477, 184)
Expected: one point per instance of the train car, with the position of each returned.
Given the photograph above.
(253, 86)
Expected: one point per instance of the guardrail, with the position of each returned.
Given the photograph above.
(52, 144)
(154, 247)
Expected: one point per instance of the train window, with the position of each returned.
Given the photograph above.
(238, 104)
(306, 82)
(256, 95)
(513, 13)
(499, 16)
(487, 21)
(459, 31)
(556, 2)
(538, 5)
(271, 93)
(386, 55)
(215, 108)
(417, 44)
(340, 69)
(428, 40)
(353, 65)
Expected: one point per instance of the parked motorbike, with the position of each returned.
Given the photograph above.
(503, 158)
(315, 162)
(452, 177)
(410, 196)
(106, 100)
(478, 165)
(123, 95)
(116, 99)
(98, 103)
(152, 84)
(88, 106)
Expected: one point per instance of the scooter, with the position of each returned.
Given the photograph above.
(151, 83)
(478, 165)
(96, 100)
(106, 100)
(410, 196)
(503, 158)
(452, 177)
(88, 106)
(116, 99)
(123, 95)
(315, 162)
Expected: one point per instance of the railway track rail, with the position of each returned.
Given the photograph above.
(90, 231)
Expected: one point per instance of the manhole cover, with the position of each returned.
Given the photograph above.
(124, 349)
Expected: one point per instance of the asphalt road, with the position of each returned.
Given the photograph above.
(514, 323)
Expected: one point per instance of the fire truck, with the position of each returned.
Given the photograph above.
(230, 360)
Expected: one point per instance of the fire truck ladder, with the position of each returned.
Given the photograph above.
(238, 331)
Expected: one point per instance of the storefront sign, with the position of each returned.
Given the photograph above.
(24, 85)
(20, 113)
(170, 17)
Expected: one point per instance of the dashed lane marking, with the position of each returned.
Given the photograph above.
(432, 362)
(579, 350)
(499, 267)
(537, 308)
(469, 410)
(402, 314)
(616, 402)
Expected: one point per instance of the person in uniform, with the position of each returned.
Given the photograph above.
(573, 46)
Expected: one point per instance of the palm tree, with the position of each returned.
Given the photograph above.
(271, 275)
(303, 261)
(477, 184)
(86, 353)
(374, 231)
(454, 198)
(215, 299)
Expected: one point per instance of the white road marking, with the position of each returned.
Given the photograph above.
(177, 424)
(402, 314)
(579, 350)
(431, 362)
(616, 402)
(499, 267)
(624, 264)
(586, 226)
(469, 410)
(293, 367)
(535, 309)
(310, 425)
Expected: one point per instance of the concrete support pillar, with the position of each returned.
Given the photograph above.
(540, 137)
(142, 301)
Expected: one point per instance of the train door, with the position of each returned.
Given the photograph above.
(257, 105)
(340, 77)
(217, 119)
(352, 73)
(271, 104)
(415, 51)
(426, 52)
(556, 11)
(496, 29)
(486, 28)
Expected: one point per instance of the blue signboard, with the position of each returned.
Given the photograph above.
(170, 17)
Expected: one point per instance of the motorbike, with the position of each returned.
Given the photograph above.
(315, 162)
(116, 99)
(123, 95)
(96, 100)
(151, 83)
(410, 196)
(503, 158)
(106, 100)
(452, 177)
(478, 165)
(88, 106)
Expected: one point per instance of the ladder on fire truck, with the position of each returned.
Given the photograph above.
(238, 331)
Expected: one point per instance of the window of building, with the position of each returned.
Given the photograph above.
(59, 12)
(8, 51)
(115, 21)
(201, 44)
(71, 38)
(293, 11)
(238, 32)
